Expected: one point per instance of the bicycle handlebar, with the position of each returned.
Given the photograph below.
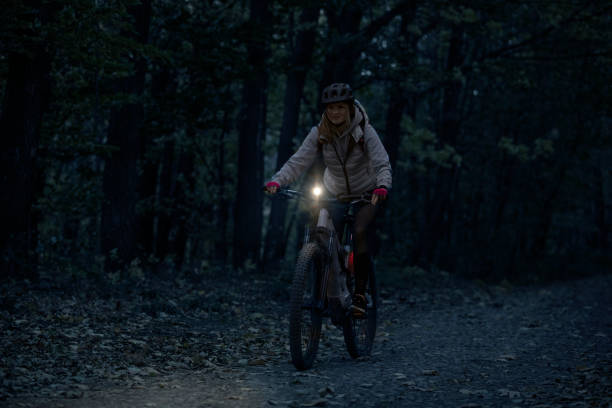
(341, 199)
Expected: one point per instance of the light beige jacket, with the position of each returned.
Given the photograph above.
(367, 168)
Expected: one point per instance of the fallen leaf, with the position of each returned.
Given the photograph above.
(150, 371)
(584, 368)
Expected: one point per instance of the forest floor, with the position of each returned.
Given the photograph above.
(223, 342)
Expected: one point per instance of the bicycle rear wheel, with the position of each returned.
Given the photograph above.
(305, 308)
(359, 333)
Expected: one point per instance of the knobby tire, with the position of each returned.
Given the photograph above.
(304, 321)
(359, 333)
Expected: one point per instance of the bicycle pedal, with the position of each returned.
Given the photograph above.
(357, 313)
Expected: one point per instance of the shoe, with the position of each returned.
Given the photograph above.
(358, 307)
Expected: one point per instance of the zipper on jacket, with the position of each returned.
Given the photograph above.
(343, 163)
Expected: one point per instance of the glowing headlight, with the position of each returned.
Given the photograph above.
(316, 191)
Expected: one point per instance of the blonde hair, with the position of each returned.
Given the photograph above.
(328, 131)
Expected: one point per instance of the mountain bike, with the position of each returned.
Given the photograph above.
(324, 282)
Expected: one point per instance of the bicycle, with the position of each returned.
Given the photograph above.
(323, 283)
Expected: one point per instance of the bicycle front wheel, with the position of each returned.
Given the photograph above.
(305, 308)
(359, 333)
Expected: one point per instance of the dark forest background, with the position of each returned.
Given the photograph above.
(135, 136)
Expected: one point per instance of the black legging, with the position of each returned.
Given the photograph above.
(364, 234)
(364, 239)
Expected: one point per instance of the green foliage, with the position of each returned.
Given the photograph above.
(421, 148)
(541, 148)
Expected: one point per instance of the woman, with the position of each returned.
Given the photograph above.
(356, 162)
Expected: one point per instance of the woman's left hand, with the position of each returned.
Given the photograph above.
(379, 194)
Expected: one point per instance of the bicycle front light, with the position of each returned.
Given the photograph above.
(316, 191)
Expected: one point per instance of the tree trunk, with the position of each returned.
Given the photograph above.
(393, 125)
(182, 213)
(437, 209)
(542, 228)
(302, 53)
(343, 51)
(399, 103)
(153, 165)
(26, 99)
(120, 182)
(165, 198)
(248, 210)
(222, 207)
(147, 230)
(601, 224)
(347, 39)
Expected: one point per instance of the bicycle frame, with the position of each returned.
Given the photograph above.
(333, 285)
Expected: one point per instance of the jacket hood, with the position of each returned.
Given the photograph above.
(360, 116)
(355, 129)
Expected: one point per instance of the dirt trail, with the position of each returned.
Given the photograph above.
(471, 346)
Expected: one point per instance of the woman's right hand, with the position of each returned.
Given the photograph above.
(272, 187)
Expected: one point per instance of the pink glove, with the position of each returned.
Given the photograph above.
(272, 186)
(381, 192)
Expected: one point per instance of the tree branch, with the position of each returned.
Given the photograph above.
(371, 29)
(534, 37)
(560, 57)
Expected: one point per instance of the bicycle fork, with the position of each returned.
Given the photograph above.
(333, 287)
(324, 283)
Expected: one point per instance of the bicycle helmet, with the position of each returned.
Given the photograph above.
(337, 93)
